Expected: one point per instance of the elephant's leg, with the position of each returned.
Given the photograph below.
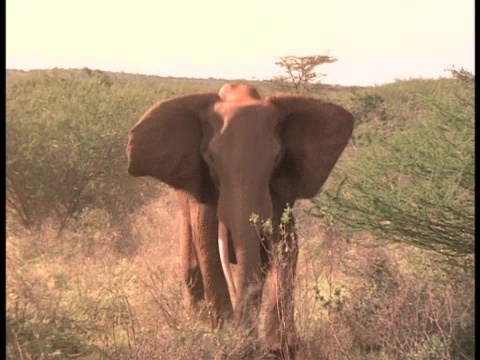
(192, 277)
(250, 283)
(279, 301)
(205, 241)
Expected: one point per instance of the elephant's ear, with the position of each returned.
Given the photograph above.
(165, 143)
(314, 134)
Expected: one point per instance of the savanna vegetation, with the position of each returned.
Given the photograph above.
(92, 269)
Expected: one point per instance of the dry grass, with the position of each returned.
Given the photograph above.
(113, 291)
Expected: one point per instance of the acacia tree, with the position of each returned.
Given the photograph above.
(415, 184)
(300, 70)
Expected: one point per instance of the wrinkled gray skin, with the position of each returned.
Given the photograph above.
(229, 155)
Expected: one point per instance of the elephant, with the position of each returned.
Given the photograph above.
(229, 155)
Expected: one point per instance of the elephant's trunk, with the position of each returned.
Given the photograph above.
(234, 211)
(224, 258)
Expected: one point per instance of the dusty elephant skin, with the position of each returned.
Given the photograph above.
(229, 155)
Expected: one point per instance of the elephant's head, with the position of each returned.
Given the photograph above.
(243, 153)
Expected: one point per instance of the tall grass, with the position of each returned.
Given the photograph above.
(92, 265)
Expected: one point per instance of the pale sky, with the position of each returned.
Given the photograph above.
(375, 41)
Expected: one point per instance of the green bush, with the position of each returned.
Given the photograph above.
(368, 107)
(413, 183)
(66, 137)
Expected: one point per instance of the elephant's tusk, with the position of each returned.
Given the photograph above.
(223, 248)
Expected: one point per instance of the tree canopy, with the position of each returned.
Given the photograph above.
(300, 70)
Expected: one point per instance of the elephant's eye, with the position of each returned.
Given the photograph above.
(209, 158)
(278, 158)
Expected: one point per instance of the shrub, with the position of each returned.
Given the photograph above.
(66, 138)
(414, 185)
(368, 107)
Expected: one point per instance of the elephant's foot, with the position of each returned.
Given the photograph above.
(220, 315)
(247, 310)
(193, 293)
(214, 314)
(281, 341)
(193, 304)
(284, 349)
(196, 309)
